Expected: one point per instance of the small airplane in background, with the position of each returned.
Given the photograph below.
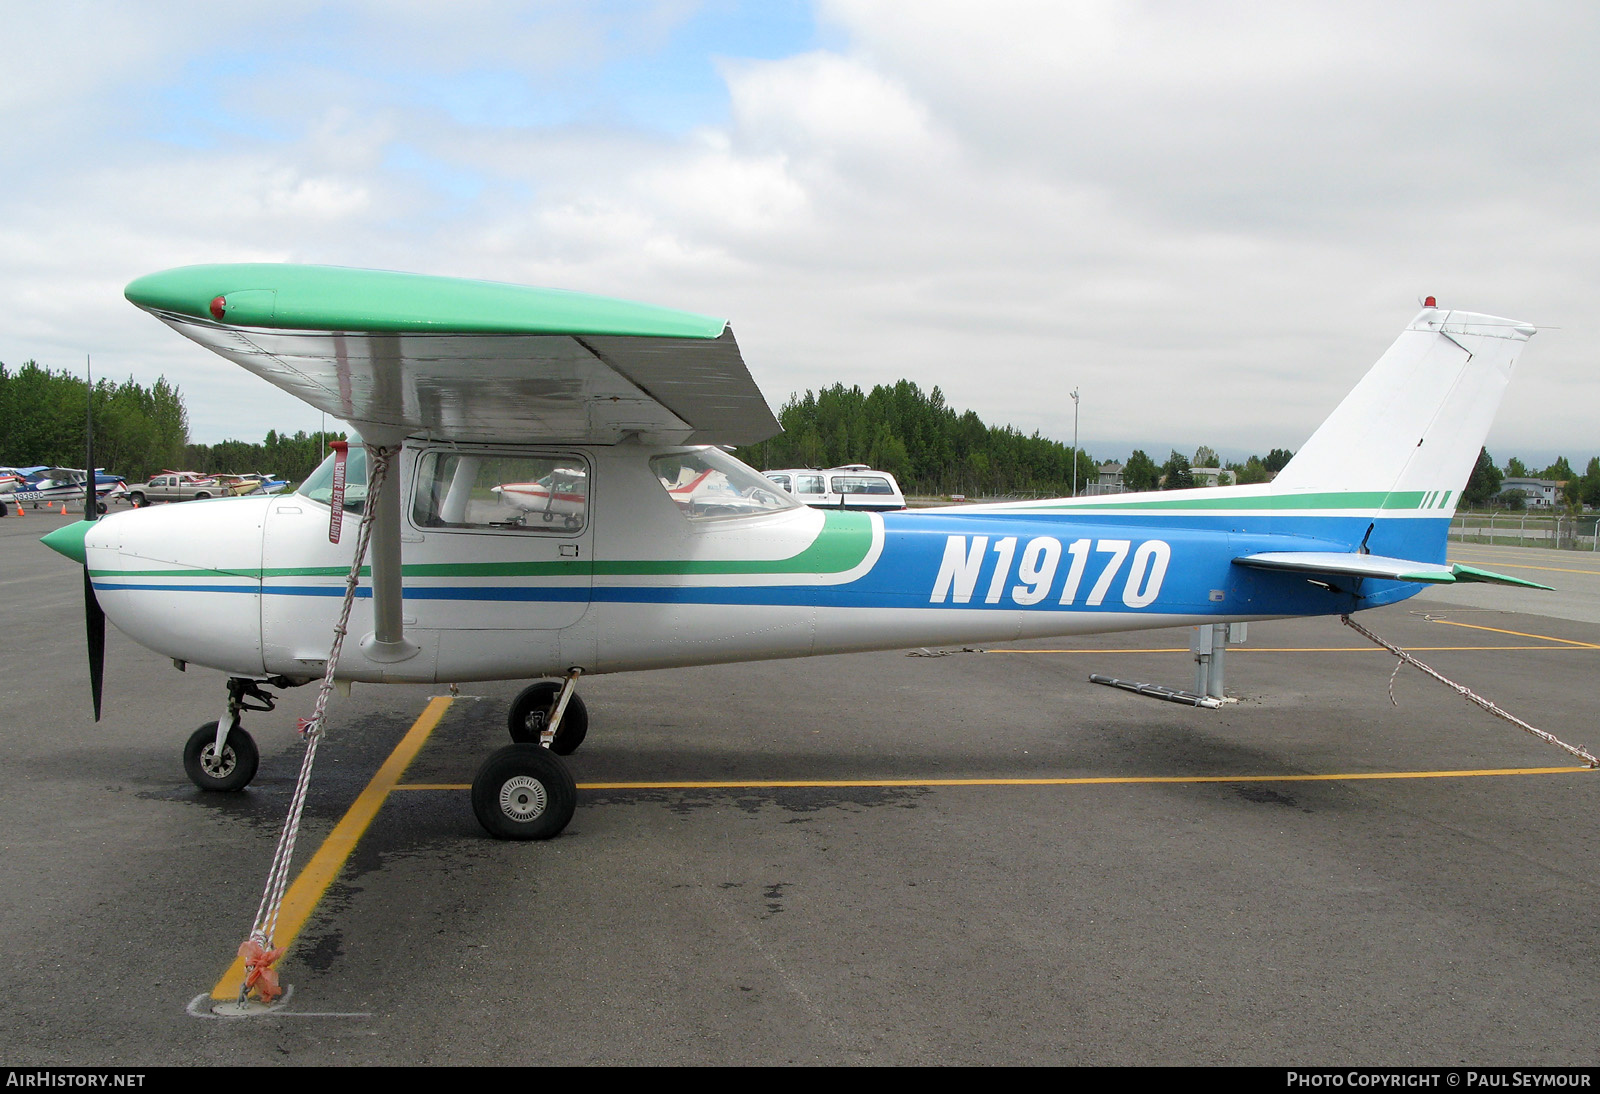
(560, 495)
(498, 403)
(55, 485)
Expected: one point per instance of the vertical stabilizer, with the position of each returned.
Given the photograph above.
(1410, 432)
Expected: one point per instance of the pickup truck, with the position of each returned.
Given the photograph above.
(176, 486)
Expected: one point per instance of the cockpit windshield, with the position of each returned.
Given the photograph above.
(319, 485)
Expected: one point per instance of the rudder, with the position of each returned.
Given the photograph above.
(1410, 432)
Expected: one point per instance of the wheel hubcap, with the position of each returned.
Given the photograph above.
(215, 767)
(522, 798)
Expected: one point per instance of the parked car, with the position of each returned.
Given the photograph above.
(853, 486)
(176, 486)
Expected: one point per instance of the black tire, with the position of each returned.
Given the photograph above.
(102, 508)
(240, 758)
(202, 496)
(4, 512)
(137, 500)
(531, 709)
(524, 792)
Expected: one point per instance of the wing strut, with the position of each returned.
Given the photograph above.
(387, 642)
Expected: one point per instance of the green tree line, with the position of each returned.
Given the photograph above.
(137, 429)
(930, 447)
(291, 458)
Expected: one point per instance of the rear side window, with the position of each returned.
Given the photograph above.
(809, 484)
(501, 492)
(861, 484)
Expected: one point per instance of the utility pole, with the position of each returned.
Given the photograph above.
(1074, 442)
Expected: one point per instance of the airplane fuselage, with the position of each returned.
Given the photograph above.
(252, 586)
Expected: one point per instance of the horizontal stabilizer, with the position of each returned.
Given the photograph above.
(1464, 572)
(1341, 564)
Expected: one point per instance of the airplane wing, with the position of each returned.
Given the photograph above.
(468, 360)
(1338, 564)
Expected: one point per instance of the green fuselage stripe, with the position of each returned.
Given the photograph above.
(1362, 499)
(842, 545)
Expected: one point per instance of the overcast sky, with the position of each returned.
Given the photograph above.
(1209, 218)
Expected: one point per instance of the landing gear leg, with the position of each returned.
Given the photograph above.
(550, 714)
(220, 755)
(525, 791)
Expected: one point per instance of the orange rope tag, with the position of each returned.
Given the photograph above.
(259, 973)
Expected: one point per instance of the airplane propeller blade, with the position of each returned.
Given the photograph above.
(94, 629)
(94, 619)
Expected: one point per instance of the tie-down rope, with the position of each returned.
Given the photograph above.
(257, 950)
(1466, 693)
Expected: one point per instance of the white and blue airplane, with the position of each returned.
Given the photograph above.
(54, 485)
(673, 552)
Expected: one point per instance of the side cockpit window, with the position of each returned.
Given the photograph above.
(501, 492)
(709, 484)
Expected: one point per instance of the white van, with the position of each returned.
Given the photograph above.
(853, 486)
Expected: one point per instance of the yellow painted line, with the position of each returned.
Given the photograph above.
(826, 784)
(307, 889)
(1523, 566)
(1572, 643)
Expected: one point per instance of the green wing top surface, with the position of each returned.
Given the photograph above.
(334, 298)
(452, 359)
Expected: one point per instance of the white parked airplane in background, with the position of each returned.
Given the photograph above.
(501, 406)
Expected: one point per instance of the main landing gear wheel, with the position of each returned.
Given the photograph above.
(532, 710)
(524, 792)
(232, 770)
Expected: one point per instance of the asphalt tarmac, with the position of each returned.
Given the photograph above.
(1031, 869)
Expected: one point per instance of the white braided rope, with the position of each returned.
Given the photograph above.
(1466, 693)
(266, 921)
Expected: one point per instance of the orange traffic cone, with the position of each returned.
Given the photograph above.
(63, 508)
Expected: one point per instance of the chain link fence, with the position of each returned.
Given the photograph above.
(1567, 533)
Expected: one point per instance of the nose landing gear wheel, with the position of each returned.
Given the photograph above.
(531, 711)
(231, 770)
(524, 792)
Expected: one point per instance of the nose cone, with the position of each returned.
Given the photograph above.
(68, 540)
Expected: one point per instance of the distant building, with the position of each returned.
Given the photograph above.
(1540, 493)
(1110, 481)
(1211, 476)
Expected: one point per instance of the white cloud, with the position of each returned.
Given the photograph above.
(1210, 218)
